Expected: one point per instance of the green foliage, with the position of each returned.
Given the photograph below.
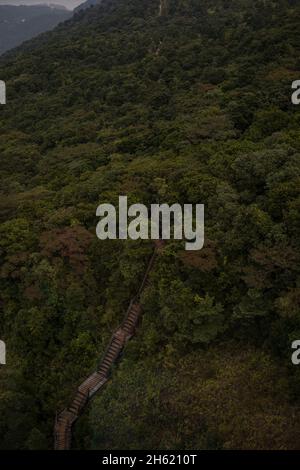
(192, 107)
(225, 398)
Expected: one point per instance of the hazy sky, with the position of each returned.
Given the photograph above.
(67, 3)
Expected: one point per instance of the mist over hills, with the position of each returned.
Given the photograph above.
(69, 4)
(20, 23)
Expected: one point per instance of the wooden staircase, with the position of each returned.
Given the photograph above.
(65, 419)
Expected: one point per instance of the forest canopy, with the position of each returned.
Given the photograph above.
(192, 107)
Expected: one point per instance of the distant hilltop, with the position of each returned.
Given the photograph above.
(63, 4)
(87, 4)
(23, 22)
(55, 5)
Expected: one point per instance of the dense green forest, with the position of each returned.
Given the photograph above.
(193, 106)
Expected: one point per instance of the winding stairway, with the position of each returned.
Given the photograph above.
(85, 392)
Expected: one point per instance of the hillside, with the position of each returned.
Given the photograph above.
(193, 106)
(87, 4)
(20, 23)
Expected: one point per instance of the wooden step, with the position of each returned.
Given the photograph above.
(79, 398)
(128, 329)
(75, 406)
(84, 388)
(103, 369)
(129, 325)
(106, 363)
(108, 356)
(114, 351)
(119, 338)
(131, 320)
(74, 410)
(97, 386)
(104, 366)
(115, 341)
(114, 348)
(133, 315)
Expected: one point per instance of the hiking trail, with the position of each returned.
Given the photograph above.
(85, 392)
